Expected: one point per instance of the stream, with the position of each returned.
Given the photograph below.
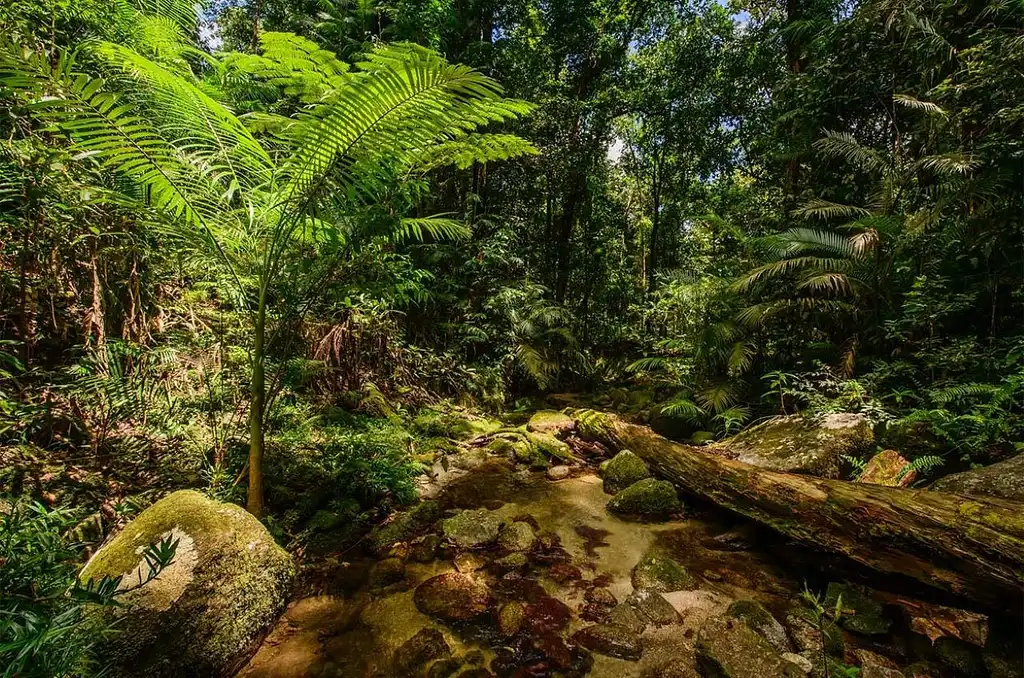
(589, 596)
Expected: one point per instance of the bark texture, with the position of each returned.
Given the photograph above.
(969, 546)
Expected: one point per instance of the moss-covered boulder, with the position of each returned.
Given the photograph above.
(623, 470)
(648, 497)
(516, 537)
(209, 610)
(472, 528)
(550, 422)
(1004, 479)
(552, 447)
(658, 571)
(728, 648)
(860, 612)
(888, 468)
(797, 445)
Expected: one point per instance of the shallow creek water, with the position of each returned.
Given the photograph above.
(355, 629)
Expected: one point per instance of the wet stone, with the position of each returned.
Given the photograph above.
(467, 563)
(426, 646)
(468, 529)
(511, 563)
(628, 616)
(742, 538)
(452, 597)
(728, 648)
(660, 572)
(801, 662)
(653, 607)
(426, 549)
(601, 596)
(516, 537)
(510, 618)
(560, 472)
(648, 498)
(444, 668)
(564, 573)
(762, 622)
(612, 640)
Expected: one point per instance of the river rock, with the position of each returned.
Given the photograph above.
(794, 444)
(471, 528)
(888, 468)
(876, 666)
(653, 607)
(728, 648)
(547, 615)
(623, 470)
(742, 538)
(452, 596)
(1004, 479)
(516, 536)
(628, 616)
(405, 525)
(511, 563)
(600, 595)
(660, 572)
(468, 562)
(754, 615)
(208, 611)
(424, 647)
(648, 497)
(868, 616)
(801, 662)
(511, 617)
(551, 422)
(560, 472)
(612, 640)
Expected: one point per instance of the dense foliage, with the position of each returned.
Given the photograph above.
(242, 246)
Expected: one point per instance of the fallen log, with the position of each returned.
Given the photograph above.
(972, 547)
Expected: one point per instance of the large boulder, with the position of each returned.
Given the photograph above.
(209, 610)
(797, 445)
(1004, 479)
(624, 469)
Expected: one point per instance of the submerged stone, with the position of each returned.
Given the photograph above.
(386, 572)
(424, 647)
(511, 617)
(652, 606)
(647, 497)
(405, 525)
(468, 529)
(206, 612)
(623, 470)
(452, 597)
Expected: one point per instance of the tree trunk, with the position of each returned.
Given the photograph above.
(972, 547)
(258, 395)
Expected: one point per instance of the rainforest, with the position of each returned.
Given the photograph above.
(512, 338)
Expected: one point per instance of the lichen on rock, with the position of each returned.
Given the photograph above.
(1004, 479)
(207, 612)
(468, 529)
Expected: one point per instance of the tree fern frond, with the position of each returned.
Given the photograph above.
(918, 105)
(844, 145)
(437, 227)
(825, 209)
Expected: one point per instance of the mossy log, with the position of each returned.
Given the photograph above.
(972, 547)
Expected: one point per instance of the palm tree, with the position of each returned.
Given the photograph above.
(269, 210)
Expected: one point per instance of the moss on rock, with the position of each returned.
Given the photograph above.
(797, 445)
(729, 648)
(648, 497)
(405, 525)
(658, 571)
(622, 471)
(861, 612)
(210, 609)
(551, 422)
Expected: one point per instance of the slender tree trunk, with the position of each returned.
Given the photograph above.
(655, 221)
(258, 395)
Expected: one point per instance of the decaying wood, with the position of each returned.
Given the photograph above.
(969, 546)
